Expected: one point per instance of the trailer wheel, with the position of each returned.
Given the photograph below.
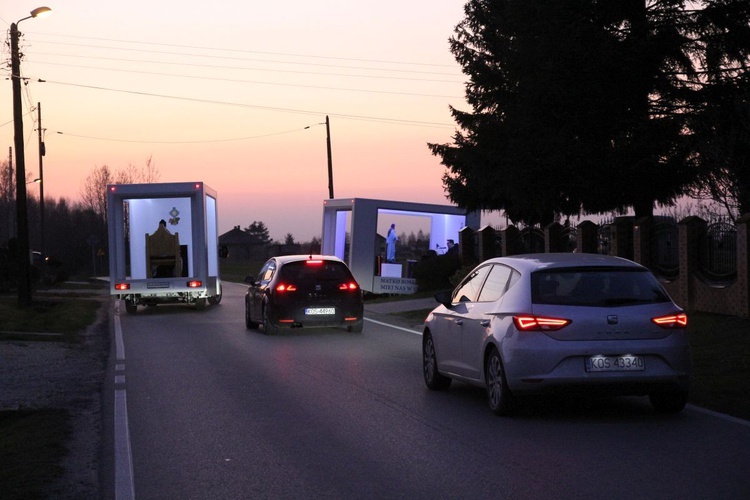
(201, 304)
(215, 299)
(131, 307)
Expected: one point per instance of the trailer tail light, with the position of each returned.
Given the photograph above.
(122, 286)
(194, 284)
(285, 287)
(539, 323)
(678, 320)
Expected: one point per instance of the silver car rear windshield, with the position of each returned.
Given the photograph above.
(596, 287)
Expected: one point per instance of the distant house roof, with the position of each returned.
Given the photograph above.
(236, 236)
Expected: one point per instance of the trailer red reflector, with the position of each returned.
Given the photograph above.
(122, 286)
(194, 284)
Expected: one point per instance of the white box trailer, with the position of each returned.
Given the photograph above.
(163, 244)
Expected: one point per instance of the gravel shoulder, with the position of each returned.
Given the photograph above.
(37, 374)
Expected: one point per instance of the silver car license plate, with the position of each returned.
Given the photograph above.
(320, 310)
(623, 363)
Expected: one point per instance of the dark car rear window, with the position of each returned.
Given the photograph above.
(304, 271)
(598, 287)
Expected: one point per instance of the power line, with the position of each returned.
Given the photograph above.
(244, 51)
(235, 80)
(298, 63)
(256, 106)
(213, 66)
(206, 141)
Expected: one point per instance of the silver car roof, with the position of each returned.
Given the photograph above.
(528, 263)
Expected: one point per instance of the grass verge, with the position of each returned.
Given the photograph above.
(48, 315)
(32, 447)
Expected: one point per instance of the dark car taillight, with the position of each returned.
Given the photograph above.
(285, 287)
(678, 320)
(351, 285)
(539, 323)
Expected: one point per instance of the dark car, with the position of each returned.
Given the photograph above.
(529, 324)
(295, 291)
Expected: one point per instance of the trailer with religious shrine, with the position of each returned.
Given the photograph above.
(163, 244)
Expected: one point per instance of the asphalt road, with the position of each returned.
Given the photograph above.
(204, 409)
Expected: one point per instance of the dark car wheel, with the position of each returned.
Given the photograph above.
(249, 323)
(499, 396)
(432, 377)
(268, 327)
(669, 401)
(356, 328)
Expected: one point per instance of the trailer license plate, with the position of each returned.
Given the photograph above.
(320, 310)
(623, 363)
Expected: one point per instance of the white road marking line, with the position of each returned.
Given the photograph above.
(416, 332)
(124, 487)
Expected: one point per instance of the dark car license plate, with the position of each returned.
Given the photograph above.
(320, 311)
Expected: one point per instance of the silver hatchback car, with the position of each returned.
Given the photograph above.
(530, 324)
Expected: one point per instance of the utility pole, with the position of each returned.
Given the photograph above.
(22, 217)
(330, 161)
(42, 152)
(9, 194)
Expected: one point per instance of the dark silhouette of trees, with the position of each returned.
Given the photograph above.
(592, 106)
(259, 233)
(94, 189)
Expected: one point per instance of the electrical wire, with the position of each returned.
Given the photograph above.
(182, 142)
(235, 80)
(244, 51)
(256, 106)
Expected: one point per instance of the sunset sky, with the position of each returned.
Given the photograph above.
(223, 92)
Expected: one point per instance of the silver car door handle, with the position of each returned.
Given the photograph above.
(485, 322)
(459, 322)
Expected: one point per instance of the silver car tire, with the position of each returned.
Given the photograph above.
(432, 378)
(499, 397)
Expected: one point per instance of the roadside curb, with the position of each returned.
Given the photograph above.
(32, 336)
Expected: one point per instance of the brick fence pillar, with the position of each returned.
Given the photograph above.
(553, 238)
(586, 237)
(467, 244)
(622, 237)
(690, 231)
(643, 233)
(510, 240)
(486, 243)
(743, 265)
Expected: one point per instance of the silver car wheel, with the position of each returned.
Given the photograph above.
(432, 377)
(499, 396)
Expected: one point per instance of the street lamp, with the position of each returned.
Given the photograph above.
(22, 216)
